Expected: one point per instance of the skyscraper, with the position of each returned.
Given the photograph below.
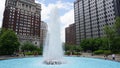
(70, 34)
(23, 17)
(92, 15)
(43, 32)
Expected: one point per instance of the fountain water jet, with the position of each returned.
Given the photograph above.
(53, 52)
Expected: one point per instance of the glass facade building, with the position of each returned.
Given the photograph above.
(92, 15)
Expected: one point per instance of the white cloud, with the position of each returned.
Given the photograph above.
(46, 9)
(39, 1)
(64, 5)
(66, 20)
(2, 5)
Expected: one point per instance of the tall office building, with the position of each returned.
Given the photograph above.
(23, 17)
(92, 15)
(70, 34)
(43, 32)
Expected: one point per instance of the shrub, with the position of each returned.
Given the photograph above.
(75, 53)
(28, 53)
(28, 46)
(67, 53)
(39, 52)
(107, 52)
(98, 52)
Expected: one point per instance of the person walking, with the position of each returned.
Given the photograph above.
(106, 57)
(113, 56)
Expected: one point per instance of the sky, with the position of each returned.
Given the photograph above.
(66, 12)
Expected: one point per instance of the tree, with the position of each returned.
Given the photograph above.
(113, 34)
(97, 43)
(87, 44)
(104, 44)
(78, 48)
(66, 47)
(110, 34)
(71, 48)
(28, 46)
(8, 42)
(94, 44)
(115, 45)
(117, 25)
(116, 41)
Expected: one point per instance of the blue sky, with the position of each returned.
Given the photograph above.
(66, 12)
(65, 7)
(68, 4)
(54, 1)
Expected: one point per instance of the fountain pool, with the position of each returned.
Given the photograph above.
(72, 62)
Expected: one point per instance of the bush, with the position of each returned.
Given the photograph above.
(98, 52)
(67, 53)
(38, 51)
(107, 52)
(28, 46)
(75, 53)
(28, 53)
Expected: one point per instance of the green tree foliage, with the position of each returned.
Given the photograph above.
(110, 32)
(30, 49)
(117, 26)
(72, 48)
(97, 43)
(78, 48)
(69, 47)
(104, 44)
(8, 42)
(94, 44)
(110, 43)
(28, 46)
(90, 44)
(115, 46)
(105, 52)
(85, 44)
(113, 35)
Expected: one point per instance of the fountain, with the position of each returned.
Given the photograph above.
(53, 52)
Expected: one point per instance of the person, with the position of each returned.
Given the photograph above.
(92, 54)
(106, 57)
(113, 56)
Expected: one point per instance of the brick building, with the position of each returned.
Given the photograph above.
(23, 17)
(70, 34)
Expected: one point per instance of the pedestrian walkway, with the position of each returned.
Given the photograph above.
(117, 58)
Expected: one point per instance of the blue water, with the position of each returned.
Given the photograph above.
(71, 62)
